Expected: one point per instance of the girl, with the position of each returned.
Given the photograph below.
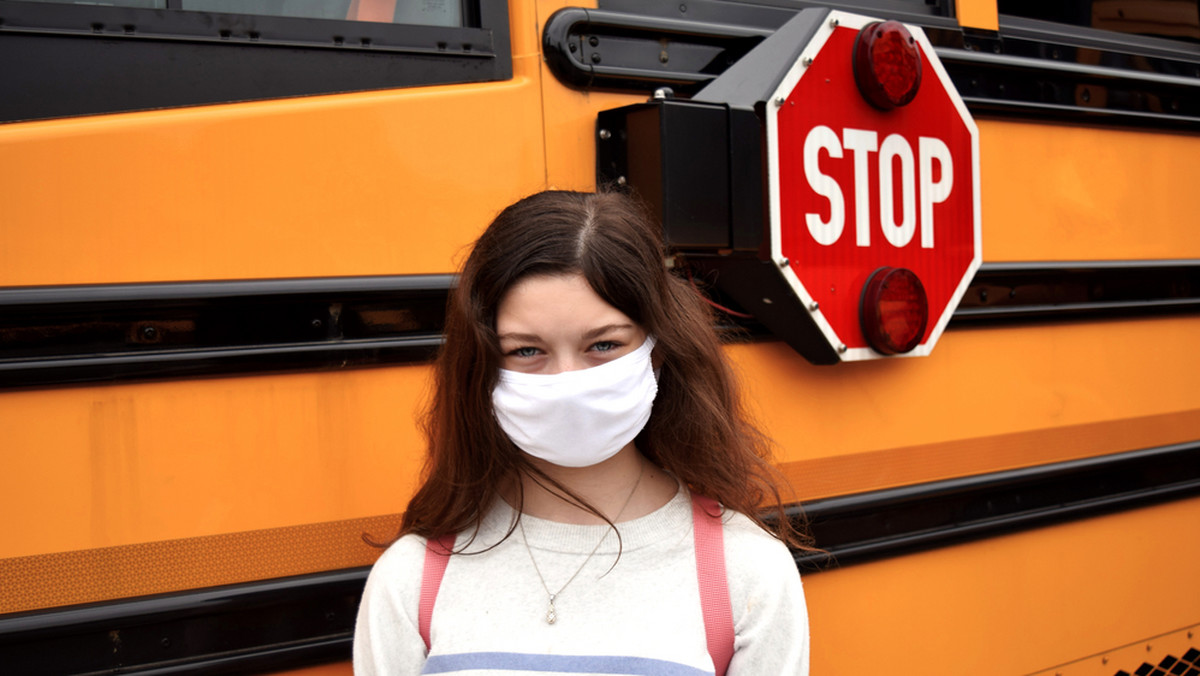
(583, 429)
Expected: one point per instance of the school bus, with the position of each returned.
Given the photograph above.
(227, 232)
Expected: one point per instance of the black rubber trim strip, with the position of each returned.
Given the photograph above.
(1056, 292)
(291, 622)
(1066, 290)
(866, 526)
(208, 362)
(1033, 87)
(63, 335)
(277, 624)
(90, 294)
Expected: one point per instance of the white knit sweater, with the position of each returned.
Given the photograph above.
(639, 616)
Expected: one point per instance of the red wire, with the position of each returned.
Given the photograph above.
(708, 300)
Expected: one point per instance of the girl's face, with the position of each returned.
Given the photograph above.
(554, 323)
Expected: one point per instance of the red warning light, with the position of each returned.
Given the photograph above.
(893, 310)
(887, 64)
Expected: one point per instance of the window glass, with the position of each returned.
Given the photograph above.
(309, 9)
(88, 57)
(419, 12)
(1179, 19)
(148, 4)
(429, 12)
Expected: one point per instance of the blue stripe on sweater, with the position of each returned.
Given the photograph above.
(567, 664)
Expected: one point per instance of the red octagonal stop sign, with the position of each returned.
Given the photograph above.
(854, 188)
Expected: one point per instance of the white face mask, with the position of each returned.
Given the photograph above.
(578, 418)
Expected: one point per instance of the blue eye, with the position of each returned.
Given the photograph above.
(605, 346)
(525, 352)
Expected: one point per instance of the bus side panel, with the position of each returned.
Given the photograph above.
(1058, 192)
(393, 182)
(1015, 604)
(124, 464)
(986, 400)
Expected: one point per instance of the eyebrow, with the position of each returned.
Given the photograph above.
(601, 330)
(522, 337)
(588, 335)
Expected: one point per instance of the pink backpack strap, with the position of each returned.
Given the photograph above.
(714, 585)
(437, 555)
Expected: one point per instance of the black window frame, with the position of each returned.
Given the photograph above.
(66, 60)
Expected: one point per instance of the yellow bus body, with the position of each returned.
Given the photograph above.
(127, 489)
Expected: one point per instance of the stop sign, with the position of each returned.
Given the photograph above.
(836, 205)
(854, 189)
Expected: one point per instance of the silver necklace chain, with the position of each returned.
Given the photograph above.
(551, 612)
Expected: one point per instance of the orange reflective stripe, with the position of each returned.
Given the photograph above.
(108, 573)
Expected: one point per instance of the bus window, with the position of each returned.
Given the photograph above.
(147, 4)
(432, 13)
(428, 13)
(81, 58)
(1178, 19)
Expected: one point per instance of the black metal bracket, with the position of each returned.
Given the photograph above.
(591, 47)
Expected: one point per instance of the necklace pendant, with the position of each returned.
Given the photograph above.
(551, 615)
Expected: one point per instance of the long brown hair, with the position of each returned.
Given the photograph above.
(698, 429)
